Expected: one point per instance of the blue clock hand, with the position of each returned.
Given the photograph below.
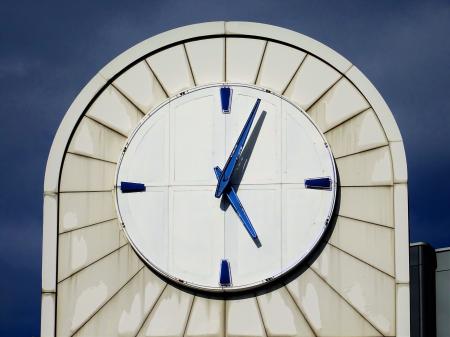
(237, 206)
(224, 179)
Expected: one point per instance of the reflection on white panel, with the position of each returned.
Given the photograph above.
(169, 316)
(141, 87)
(370, 243)
(207, 58)
(112, 109)
(327, 312)
(196, 235)
(340, 103)
(196, 138)
(244, 319)
(95, 140)
(362, 132)
(81, 247)
(305, 213)
(81, 295)
(147, 156)
(206, 318)
(368, 168)
(261, 156)
(147, 213)
(84, 208)
(307, 85)
(171, 66)
(281, 316)
(370, 291)
(278, 66)
(248, 262)
(125, 313)
(86, 174)
(371, 204)
(243, 59)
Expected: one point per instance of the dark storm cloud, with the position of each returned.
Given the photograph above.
(49, 51)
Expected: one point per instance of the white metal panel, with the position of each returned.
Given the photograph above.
(281, 316)
(81, 247)
(304, 218)
(325, 310)
(278, 66)
(207, 59)
(360, 133)
(401, 233)
(84, 208)
(197, 138)
(147, 156)
(207, 318)
(112, 109)
(81, 295)
(372, 204)
(95, 140)
(141, 87)
(403, 305)
(371, 243)
(48, 314)
(373, 167)
(49, 238)
(171, 67)
(146, 221)
(340, 103)
(312, 79)
(370, 291)
(243, 59)
(125, 313)
(86, 174)
(196, 235)
(399, 162)
(169, 316)
(249, 263)
(244, 319)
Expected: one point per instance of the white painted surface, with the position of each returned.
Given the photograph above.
(141, 87)
(112, 109)
(207, 318)
(48, 314)
(49, 237)
(243, 59)
(243, 318)
(125, 313)
(325, 310)
(278, 66)
(401, 233)
(307, 85)
(403, 305)
(81, 209)
(207, 59)
(399, 162)
(370, 291)
(171, 67)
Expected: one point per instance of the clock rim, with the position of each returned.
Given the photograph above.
(303, 261)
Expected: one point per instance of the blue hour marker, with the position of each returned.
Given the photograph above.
(225, 273)
(225, 98)
(127, 187)
(318, 183)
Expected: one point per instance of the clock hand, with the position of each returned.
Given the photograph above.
(224, 179)
(237, 206)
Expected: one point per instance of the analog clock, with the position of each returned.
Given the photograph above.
(225, 188)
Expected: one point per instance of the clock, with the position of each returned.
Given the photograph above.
(225, 188)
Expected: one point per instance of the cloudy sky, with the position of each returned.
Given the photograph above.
(49, 51)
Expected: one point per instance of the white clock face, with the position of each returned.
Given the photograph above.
(254, 227)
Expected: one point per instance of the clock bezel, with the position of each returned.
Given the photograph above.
(263, 285)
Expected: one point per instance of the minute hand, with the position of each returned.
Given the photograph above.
(228, 169)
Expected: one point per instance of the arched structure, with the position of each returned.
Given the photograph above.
(93, 283)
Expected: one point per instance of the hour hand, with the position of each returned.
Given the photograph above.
(225, 176)
(238, 208)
